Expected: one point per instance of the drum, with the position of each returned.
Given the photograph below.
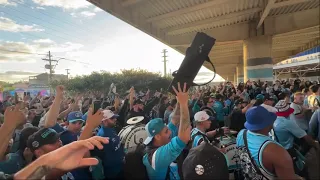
(229, 143)
(132, 135)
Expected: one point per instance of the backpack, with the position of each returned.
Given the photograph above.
(248, 170)
(134, 167)
(185, 152)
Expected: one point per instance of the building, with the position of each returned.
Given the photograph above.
(41, 81)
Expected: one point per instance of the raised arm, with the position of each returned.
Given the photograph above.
(53, 113)
(13, 117)
(184, 127)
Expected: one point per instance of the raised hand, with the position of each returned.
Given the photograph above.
(14, 116)
(116, 101)
(184, 127)
(132, 91)
(253, 101)
(71, 156)
(94, 120)
(182, 95)
(59, 91)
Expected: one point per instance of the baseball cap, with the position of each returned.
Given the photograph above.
(258, 117)
(108, 114)
(268, 97)
(85, 116)
(75, 116)
(202, 116)
(283, 108)
(260, 96)
(205, 162)
(42, 137)
(153, 128)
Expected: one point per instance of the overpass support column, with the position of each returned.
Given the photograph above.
(257, 59)
(239, 72)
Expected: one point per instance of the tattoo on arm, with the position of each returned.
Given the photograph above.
(185, 117)
(40, 172)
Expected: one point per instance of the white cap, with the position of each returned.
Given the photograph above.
(108, 114)
(201, 116)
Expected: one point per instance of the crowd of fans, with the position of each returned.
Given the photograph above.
(273, 127)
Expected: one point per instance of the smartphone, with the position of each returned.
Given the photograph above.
(96, 106)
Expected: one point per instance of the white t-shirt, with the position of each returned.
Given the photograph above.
(269, 108)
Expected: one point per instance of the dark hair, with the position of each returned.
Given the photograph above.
(163, 98)
(283, 95)
(173, 102)
(24, 135)
(314, 88)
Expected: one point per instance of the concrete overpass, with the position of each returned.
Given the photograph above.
(252, 35)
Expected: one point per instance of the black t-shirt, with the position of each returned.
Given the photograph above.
(237, 120)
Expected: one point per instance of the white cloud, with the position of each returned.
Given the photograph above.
(6, 2)
(39, 7)
(65, 4)
(96, 9)
(11, 51)
(7, 24)
(87, 14)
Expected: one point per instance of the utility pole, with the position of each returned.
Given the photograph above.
(165, 62)
(50, 67)
(68, 73)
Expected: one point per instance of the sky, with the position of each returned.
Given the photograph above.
(81, 36)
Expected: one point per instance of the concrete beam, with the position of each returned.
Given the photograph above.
(131, 17)
(266, 12)
(188, 10)
(291, 22)
(127, 3)
(216, 44)
(218, 19)
(309, 45)
(301, 35)
(226, 33)
(310, 29)
(289, 3)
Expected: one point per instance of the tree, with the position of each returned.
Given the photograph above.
(99, 82)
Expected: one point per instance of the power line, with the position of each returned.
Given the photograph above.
(50, 67)
(60, 58)
(40, 20)
(59, 20)
(165, 62)
(42, 25)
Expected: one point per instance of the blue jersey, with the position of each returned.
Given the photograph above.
(256, 145)
(286, 129)
(163, 158)
(112, 154)
(197, 137)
